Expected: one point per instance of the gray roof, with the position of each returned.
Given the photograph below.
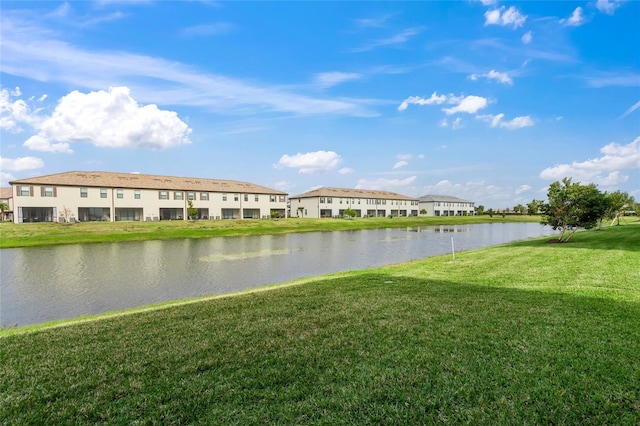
(140, 181)
(353, 193)
(442, 198)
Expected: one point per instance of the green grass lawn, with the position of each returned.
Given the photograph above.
(43, 234)
(524, 333)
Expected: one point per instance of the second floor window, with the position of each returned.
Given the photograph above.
(84, 192)
(177, 195)
(136, 194)
(120, 193)
(103, 192)
(163, 195)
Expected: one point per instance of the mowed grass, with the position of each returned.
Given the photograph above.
(43, 234)
(525, 333)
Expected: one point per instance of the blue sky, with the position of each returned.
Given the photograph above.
(484, 100)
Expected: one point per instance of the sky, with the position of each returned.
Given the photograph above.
(488, 101)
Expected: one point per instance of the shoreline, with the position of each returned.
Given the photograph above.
(50, 234)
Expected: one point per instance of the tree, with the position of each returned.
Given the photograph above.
(519, 209)
(349, 212)
(4, 207)
(571, 206)
(480, 210)
(534, 207)
(616, 204)
(192, 212)
(490, 212)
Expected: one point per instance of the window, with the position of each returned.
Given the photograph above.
(136, 194)
(329, 200)
(257, 197)
(246, 197)
(322, 200)
(204, 196)
(272, 198)
(224, 197)
(163, 195)
(235, 197)
(119, 193)
(191, 196)
(84, 192)
(48, 191)
(282, 199)
(25, 191)
(177, 195)
(103, 192)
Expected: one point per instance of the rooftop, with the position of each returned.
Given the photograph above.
(442, 198)
(140, 181)
(353, 193)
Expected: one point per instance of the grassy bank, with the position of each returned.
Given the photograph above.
(43, 234)
(525, 333)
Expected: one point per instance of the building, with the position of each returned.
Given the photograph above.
(445, 205)
(107, 196)
(6, 197)
(332, 202)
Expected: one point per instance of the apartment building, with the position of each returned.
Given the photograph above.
(332, 202)
(108, 196)
(445, 205)
(6, 197)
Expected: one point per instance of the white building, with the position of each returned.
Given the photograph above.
(332, 202)
(106, 196)
(6, 197)
(445, 205)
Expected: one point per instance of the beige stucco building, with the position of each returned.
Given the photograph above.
(445, 205)
(6, 197)
(107, 196)
(332, 202)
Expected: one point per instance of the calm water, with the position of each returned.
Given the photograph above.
(51, 283)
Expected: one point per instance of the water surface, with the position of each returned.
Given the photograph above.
(51, 283)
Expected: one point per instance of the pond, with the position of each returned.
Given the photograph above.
(51, 283)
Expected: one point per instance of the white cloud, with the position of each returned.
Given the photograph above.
(401, 163)
(455, 124)
(516, 123)
(575, 20)
(404, 157)
(488, 2)
(605, 170)
(631, 109)
(110, 119)
(13, 113)
(505, 17)
(417, 100)
(470, 104)
(310, 162)
(21, 163)
(374, 22)
(208, 29)
(385, 184)
(396, 39)
(283, 185)
(501, 77)
(522, 188)
(5, 178)
(608, 7)
(32, 52)
(345, 171)
(330, 79)
(527, 37)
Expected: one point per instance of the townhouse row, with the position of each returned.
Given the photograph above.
(107, 196)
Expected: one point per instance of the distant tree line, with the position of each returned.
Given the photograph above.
(571, 206)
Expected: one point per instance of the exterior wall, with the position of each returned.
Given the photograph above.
(8, 215)
(322, 207)
(70, 199)
(447, 208)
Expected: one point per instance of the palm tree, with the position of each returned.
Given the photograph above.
(4, 207)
